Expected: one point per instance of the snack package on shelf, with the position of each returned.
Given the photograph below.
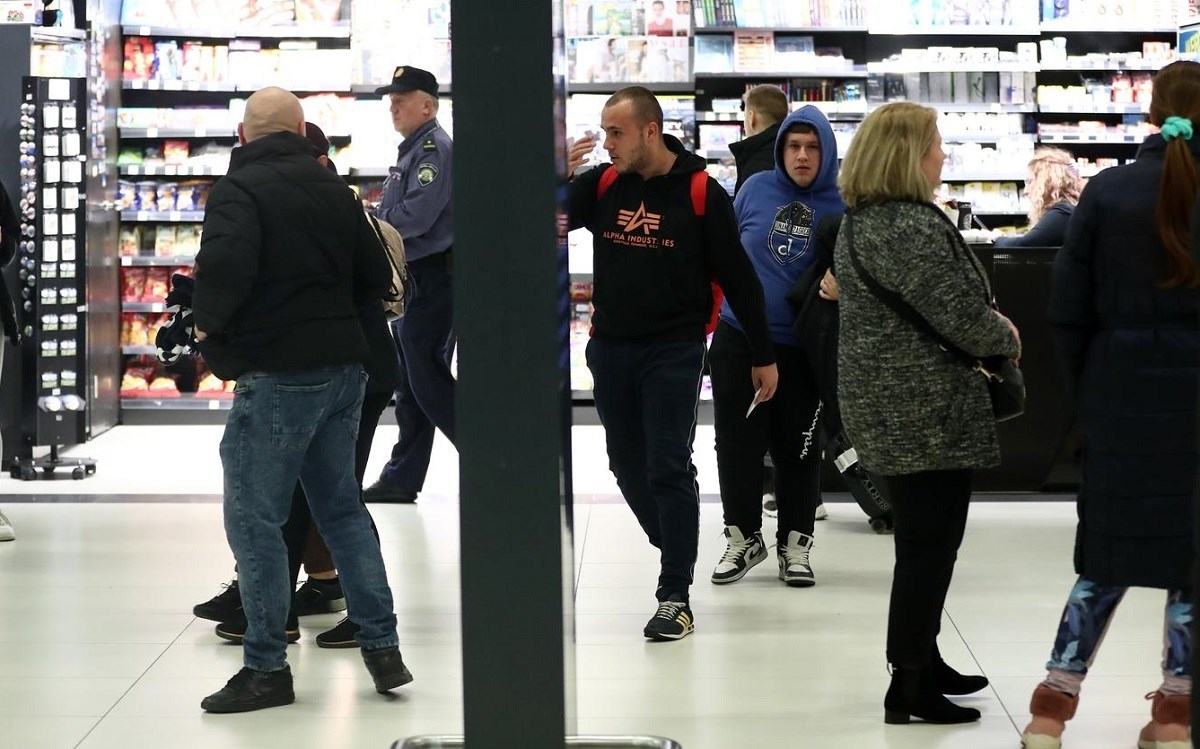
(158, 283)
(163, 386)
(133, 284)
(129, 242)
(139, 329)
(187, 240)
(134, 383)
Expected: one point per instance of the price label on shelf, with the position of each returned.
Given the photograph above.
(174, 216)
(143, 215)
(151, 132)
(126, 261)
(201, 132)
(172, 85)
(143, 31)
(170, 170)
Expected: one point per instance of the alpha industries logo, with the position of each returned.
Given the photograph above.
(639, 219)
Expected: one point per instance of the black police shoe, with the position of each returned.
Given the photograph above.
(387, 668)
(381, 492)
(252, 690)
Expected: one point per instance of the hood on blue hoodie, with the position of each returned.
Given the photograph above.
(825, 184)
(777, 222)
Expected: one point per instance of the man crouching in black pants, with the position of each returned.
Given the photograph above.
(663, 231)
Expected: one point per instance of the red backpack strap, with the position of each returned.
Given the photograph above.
(699, 191)
(606, 179)
(718, 297)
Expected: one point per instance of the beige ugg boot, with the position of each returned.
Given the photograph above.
(1170, 723)
(1051, 710)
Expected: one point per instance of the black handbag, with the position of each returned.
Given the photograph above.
(1005, 381)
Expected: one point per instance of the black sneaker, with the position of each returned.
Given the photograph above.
(234, 629)
(341, 636)
(672, 621)
(223, 606)
(381, 492)
(252, 690)
(387, 668)
(319, 597)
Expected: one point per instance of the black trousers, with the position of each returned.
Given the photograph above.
(296, 532)
(646, 396)
(425, 342)
(785, 426)
(930, 511)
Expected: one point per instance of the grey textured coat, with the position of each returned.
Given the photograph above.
(908, 405)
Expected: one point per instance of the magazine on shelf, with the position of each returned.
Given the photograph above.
(714, 53)
(715, 138)
(666, 18)
(633, 59)
(794, 52)
(753, 51)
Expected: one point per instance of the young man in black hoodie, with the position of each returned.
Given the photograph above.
(287, 259)
(660, 238)
(765, 107)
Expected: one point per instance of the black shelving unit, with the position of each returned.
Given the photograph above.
(52, 275)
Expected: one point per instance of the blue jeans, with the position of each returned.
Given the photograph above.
(646, 396)
(283, 427)
(425, 394)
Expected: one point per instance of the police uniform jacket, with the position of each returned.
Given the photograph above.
(416, 195)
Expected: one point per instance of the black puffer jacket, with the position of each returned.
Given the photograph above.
(286, 260)
(1133, 352)
(10, 232)
(754, 154)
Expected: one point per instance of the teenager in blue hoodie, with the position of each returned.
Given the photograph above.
(777, 213)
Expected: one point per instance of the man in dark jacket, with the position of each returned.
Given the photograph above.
(655, 255)
(766, 106)
(286, 260)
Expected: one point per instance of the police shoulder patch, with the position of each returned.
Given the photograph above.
(426, 173)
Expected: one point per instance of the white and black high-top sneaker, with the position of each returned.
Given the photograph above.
(794, 566)
(741, 553)
(671, 621)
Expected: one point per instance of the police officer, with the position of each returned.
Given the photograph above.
(416, 200)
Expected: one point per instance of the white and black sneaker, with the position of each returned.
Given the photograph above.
(740, 555)
(794, 566)
(672, 621)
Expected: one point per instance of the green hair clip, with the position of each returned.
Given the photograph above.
(1175, 127)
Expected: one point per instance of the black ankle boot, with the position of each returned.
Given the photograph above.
(913, 694)
(948, 681)
(386, 667)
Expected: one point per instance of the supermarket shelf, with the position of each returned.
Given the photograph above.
(955, 30)
(973, 67)
(155, 85)
(294, 31)
(996, 176)
(992, 107)
(143, 307)
(369, 88)
(724, 117)
(1112, 109)
(140, 261)
(843, 109)
(56, 34)
(1066, 26)
(185, 402)
(177, 132)
(139, 350)
(1146, 67)
(1133, 138)
(780, 29)
(369, 172)
(856, 72)
(661, 87)
(986, 137)
(171, 170)
(172, 216)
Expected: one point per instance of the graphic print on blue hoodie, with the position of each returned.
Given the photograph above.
(777, 221)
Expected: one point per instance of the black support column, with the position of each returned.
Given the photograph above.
(514, 397)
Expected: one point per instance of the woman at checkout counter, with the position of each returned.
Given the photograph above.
(1052, 186)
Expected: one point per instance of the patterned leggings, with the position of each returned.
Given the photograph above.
(1085, 621)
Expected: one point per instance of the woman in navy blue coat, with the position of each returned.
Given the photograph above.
(1126, 309)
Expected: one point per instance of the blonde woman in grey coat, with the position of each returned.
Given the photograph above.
(917, 415)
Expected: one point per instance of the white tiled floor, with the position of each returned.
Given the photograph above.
(98, 648)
